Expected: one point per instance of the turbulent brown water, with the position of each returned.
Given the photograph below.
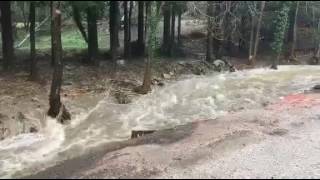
(190, 99)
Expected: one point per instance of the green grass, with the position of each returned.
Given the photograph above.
(71, 39)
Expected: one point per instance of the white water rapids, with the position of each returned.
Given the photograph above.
(190, 99)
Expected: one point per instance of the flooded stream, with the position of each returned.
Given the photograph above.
(192, 98)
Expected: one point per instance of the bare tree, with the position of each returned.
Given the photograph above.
(7, 34)
(33, 65)
(257, 38)
(77, 19)
(210, 9)
(57, 109)
(127, 32)
(294, 34)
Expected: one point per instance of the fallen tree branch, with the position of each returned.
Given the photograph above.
(36, 30)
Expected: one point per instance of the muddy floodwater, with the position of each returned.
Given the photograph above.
(192, 98)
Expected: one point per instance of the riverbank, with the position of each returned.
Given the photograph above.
(24, 103)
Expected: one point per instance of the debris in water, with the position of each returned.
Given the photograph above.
(136, 134)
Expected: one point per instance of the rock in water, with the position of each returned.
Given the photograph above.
(122, 98)
(33, 130)
(218, 63)
(316, 87)
(166, 76)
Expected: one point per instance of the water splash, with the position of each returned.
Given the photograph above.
(190, 99)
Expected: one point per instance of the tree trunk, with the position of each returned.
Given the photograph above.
(146, 86)
(92, 35)
(166, 28)
(52, 35)
(294, 33)
(147, 4)
(33, 62)
(256, 44)
(114, 28)
(227, 29)
(209, 31)
(275, 62)
(251, 39)
(127, 32)
(217, 43)
(243, 33)
(130, 18)
(7, 35)
(57, 109)
(173, 26)
(77, 19)
(317, 49)
(141, 40)
(179, 27)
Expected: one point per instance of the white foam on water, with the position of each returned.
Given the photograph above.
(189, 99)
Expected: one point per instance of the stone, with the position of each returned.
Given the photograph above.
(122, 98)
(68, 67)
(33, 130)
(166, 76)
(316, 87)
(160, 84)
(219, 63)
(34, 99)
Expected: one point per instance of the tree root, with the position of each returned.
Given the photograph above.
(64, 115)
(141, 90)
(273, 66)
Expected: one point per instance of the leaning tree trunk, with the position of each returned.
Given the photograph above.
(166, 28)
(141, 39)
(33, 63)
(57, 109)
(127, 49)
(7, 35)
(209, 31)
(77, 19)
(256, 44)
(92, 35)
(114, 28)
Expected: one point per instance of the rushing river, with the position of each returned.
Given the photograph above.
(190, 99)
